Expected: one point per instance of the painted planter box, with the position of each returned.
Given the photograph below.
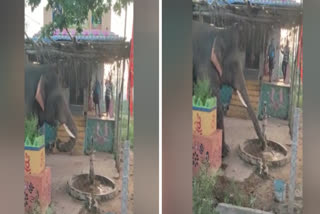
(226, 95)
(207, 148)
(277, 99)
(102, 132)
(50, 134)
(37, 188)
(34, 157)
(204, 119)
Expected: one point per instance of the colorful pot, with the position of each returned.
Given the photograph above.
(204, 118)
(37, 189)
(34, 156)
(207, 149)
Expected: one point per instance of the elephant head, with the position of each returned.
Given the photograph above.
(233, 76)
(44, 98)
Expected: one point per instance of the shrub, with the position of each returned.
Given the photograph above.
(202, 192)
(31, 130)
(202, 91)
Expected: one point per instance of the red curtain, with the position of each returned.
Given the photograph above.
(130, 78)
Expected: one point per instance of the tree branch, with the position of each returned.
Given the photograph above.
(72, 38)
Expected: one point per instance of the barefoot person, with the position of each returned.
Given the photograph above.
(108, 94)
(285, 60)
(271, 53)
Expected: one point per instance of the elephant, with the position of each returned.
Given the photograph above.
(212, 48)
(45, 100)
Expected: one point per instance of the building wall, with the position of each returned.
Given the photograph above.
(277, 98)
(105, 22)
(47, 16)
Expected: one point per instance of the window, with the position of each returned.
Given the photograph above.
(96, 23)
(56, 11)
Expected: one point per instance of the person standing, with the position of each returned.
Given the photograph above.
(285, 60)
(96, 97)
(108, 94)
(271, 54)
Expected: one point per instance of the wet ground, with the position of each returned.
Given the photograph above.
(64, 166)
(243, 177)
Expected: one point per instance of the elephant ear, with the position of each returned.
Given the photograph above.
(40, 94)
(217, 52)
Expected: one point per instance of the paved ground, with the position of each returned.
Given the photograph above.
(63, 166)
(238, 131)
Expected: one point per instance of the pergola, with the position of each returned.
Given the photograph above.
(258, 16)
(80, 53)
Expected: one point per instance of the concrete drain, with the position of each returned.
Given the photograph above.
(103, 189)
(250, 152)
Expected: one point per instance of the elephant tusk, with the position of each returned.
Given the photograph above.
(241, 99)
(68, 131)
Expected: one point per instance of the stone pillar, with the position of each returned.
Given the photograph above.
(85, 100)
(261, 66)
(277, 68)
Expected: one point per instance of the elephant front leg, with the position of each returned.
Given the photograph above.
(220, 125)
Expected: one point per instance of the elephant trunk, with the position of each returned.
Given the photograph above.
(244, 97)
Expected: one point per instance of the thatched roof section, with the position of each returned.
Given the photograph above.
(257, 20)
(285, 15)
(103, 52)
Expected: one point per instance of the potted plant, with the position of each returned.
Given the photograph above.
(206, 139)
(204, 113)
(34, 153)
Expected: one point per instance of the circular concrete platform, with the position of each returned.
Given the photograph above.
(280, 154)
(78, 187)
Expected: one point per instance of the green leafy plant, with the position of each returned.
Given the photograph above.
(202, 191)
(202, 90)
(203, 95)
(74, 13)
(31, 133)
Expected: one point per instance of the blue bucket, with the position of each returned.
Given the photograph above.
(279, 190)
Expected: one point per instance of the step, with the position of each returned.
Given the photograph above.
(81, 135)
(79, 128)
(235, 107)
(237, 102)
(67, 138)
(250, 93)
(253, 99)
(80, 123)
(239, 112)
(252, 82)
(253, 87)
(78, 118)
(242, 108)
